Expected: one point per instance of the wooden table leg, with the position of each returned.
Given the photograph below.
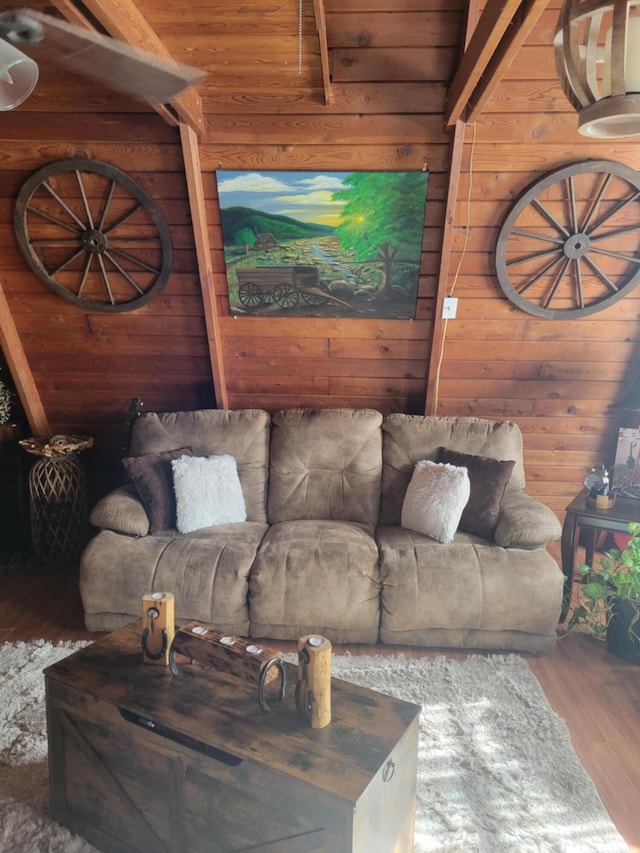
(567, 552)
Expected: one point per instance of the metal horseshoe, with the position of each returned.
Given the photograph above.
(277, 662)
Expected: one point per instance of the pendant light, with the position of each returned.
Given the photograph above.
(597, 50)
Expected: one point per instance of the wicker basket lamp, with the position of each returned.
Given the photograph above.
(58, 497)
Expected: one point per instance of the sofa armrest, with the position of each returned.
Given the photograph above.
(122, 511)
(525, 522)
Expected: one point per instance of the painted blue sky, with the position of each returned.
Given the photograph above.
(301, 195)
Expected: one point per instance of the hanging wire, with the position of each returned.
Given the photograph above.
(299, 37)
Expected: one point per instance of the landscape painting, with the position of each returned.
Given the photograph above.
(323, 244)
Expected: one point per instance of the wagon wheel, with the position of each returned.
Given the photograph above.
(250, 294)
(315, 298)
(93, 236)
(570, 245)
(286, 295)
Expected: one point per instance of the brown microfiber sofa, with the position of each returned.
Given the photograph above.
(322, 549)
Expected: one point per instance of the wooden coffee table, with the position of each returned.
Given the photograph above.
(141, 760)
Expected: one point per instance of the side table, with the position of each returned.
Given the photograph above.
(581, 516)
(58, 496)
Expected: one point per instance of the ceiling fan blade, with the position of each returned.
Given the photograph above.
(112, 62)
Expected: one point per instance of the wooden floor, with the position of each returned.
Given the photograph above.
(597, 694)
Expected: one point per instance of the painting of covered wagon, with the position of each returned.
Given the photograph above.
(282, 286)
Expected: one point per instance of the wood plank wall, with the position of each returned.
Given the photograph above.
(390, 63)
(555, 378)
(87, 365)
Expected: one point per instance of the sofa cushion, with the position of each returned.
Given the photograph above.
(325, 464)
(488, 479)
(208, 492)
(242, 434)
(316, 577)
(408, 438)
(121, 510)
(435, 499)
(525, 522)
(207, 571)
(466, 594)
(151, 475)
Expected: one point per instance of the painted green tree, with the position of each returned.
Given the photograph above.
(382, 208)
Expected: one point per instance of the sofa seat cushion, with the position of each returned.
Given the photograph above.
(467, 593)
(207, 572)
(316, 576)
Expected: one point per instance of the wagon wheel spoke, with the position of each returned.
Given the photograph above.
(123, 273)
(105, 279)
(543, 210)
(552, 255)
(51, 218)
(85, 273)
(617, 233)
(631, 259)
(536, 278)
(557, 282)
(66, 209)
(596, 203)
(617, 209)
(65, 264)
(140, 263)
(83, 194)
(107, 204)
(103, 215)
(579, 288)
(601, 275)
(544, 237)
(123, 219)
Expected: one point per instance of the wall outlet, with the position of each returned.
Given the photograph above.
(450, 308)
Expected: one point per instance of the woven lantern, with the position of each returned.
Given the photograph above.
(597, 50)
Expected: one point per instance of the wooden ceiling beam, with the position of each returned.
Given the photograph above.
(198, 207)
(525, 20)
(321, 26)
(496, 18)
(124, 21)
(20, 371)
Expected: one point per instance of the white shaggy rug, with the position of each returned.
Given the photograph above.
(497, 771)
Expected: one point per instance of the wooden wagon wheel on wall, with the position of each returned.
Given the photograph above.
(570, 245)
(93, 236)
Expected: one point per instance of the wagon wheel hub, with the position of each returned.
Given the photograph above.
(577, 246)
(94, 241)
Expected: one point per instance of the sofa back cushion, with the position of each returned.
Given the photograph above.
(325, 464)
(406, 439)
(243, 434)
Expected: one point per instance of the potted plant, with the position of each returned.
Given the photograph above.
(609, 599)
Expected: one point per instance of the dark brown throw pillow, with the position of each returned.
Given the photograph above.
(488, 478)
(152, 476)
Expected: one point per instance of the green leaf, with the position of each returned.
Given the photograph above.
(595, 590)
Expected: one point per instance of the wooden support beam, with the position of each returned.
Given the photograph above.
(124, 21)
(525, 20)
(494, 21)
(20, 370)
(439, 325)
(321, 26)
(193, 171)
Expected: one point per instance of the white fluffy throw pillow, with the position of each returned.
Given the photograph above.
(435, 498)
(208, 492)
